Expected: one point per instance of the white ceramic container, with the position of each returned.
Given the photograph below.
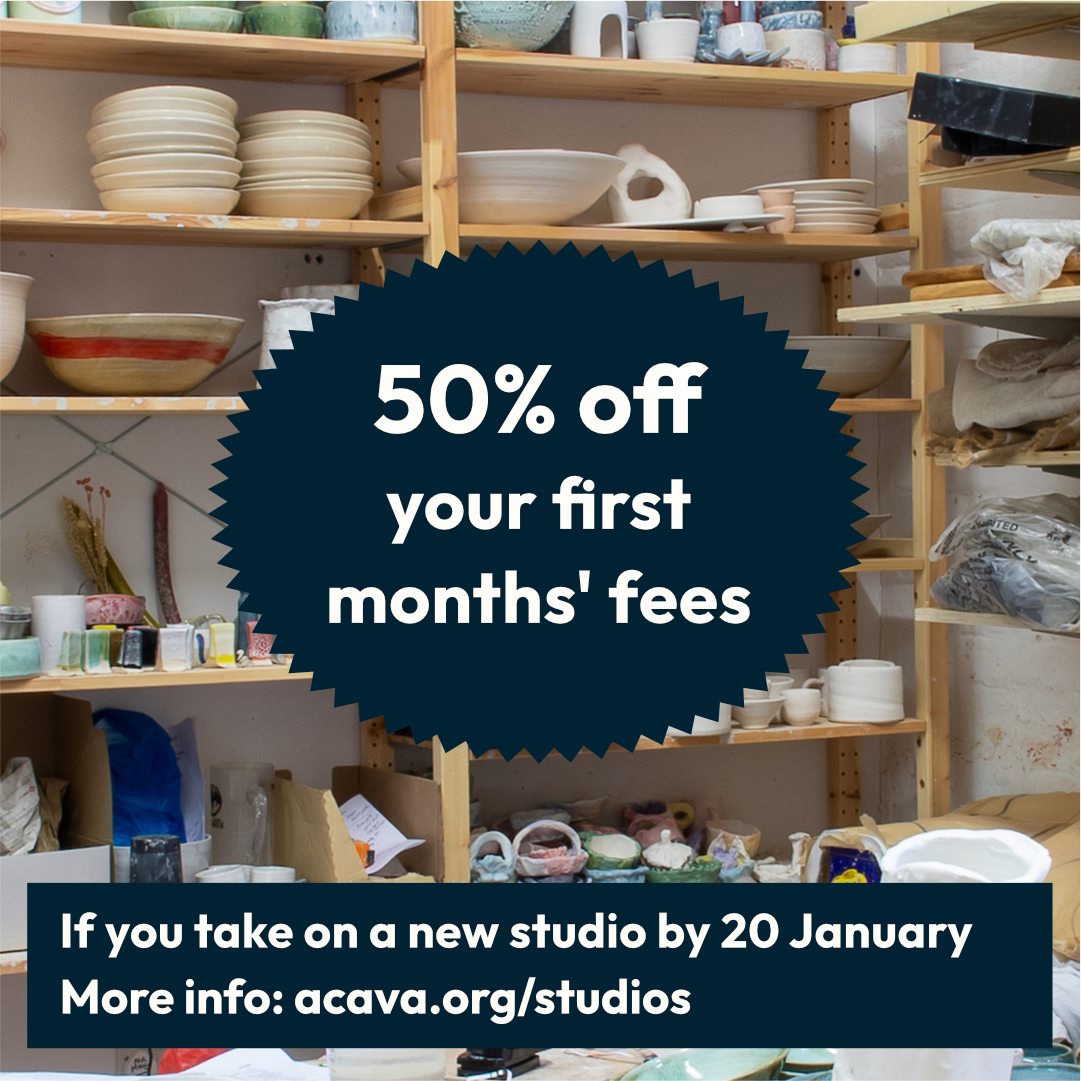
(962, 855)
(14, 289)
(673, 41)
(50, 616)
(599, 29)
(866, 693)
(806, 48)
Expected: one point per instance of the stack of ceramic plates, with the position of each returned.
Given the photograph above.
(833, 205)
(166, 150)
(301, 163)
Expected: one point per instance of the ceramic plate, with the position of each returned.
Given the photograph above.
(843, 227)
(832, 213)
(834, 183)
(839, 196)
(829, 204)
(691, 223)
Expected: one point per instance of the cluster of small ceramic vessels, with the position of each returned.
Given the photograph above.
(166, 149)
(831, 205)
(304, 163)
(658, 843)
(343, 20)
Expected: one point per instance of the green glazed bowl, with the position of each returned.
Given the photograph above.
(285, 20)
(214, 19)
(600, 862)
(149, 5)
(716, 1063)
(700, 871)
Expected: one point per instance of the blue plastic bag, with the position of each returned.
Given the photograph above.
(145, 776)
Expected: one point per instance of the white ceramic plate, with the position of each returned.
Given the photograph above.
(314, 184)
(252, 130)
(835, 227)
(149, 93)
(334, 204)
(830, 204)
(170, 200)
(162, 142)
(161, 107)
(185, 122)
(177, 178)
(868, 215)
(833, 183)
(691, 223)
(302, 146)
(305, 116)
(305, 175)
(168, 163)
(836, 196)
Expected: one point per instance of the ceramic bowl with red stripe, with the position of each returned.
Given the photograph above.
(134, 354)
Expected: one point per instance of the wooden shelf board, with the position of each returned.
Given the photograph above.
(197, 677)
(781, 733)
(546, 75)
(982, 619)
(690, 244)
(1052, 304)
(76, 406)
(988, 24)
(1014, 175)
(143, 51)
(876, 405)
(1033, 458)
(881, 564)
(223, 231)
(13, 963)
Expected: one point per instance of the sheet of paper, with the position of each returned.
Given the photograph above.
(366, 823)
(263, 1063)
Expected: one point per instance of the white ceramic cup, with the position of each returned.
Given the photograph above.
(802, 706)
(746, 38)
(273, 874)
(787, 222)
(779, 684)
(779, 197)
(671, 40)
(866, 692)
(222, 873)
(729, 206)
(50, 616)
(867, 664)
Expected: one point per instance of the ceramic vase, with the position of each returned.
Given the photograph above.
(599, 29)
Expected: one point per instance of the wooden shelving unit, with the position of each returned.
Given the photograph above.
(1039, 458)
(982, 619)
(1052, 173)
(123, 681)
(1032, 27)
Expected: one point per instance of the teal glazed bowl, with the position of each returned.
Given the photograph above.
(150, 5)
(284, 20)
(717, 1063)
(221, 20)
(522, 25)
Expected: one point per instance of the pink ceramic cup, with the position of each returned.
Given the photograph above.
(786, 224)
(777, 197)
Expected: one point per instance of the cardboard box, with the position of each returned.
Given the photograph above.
(58, 735)
(310, 834)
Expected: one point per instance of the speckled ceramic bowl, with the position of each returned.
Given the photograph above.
(523, 25)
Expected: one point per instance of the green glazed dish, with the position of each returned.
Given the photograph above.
(624, 852)
(716, 1063)
(808, 1060)
(285, 20)
(701, 870)
(220, 20)
(149, 5)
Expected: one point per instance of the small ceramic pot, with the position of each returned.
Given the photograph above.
(787, 222)
(743, 38)
(772, 197)
(674, 41)
(372, 20)
(806, 48)
(802, 706)
(284, 20)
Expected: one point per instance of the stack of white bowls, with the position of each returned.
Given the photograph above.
(303, 163)
(166, 150)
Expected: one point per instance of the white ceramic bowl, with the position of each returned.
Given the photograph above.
(305, 123)
(315, 165)
(305, 116)
(756, 712)
(177, 122)
(301, 146)
(130, 110)
(355, 183)
(181, 178)
(674, 41)
(170, 200)
(301, 175)
(168, 163)
(851, 364)
(729, 206)
(526, 187)
(161, 142)
(329, 202)
(152, 94)
(833, 228)
(14, 289)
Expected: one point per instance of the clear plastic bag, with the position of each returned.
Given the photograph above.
(1025, 255)
(1021, 560)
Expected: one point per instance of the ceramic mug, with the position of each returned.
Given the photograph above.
(222, 873)
(802, 706)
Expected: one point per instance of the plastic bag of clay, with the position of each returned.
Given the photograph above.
(145, 776)
(1021, 560)
(20, 816)
(967, 856)
(1023, 256)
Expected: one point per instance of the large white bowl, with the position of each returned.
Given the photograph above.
(178, 178)
(328, 202)
(170, 200)
(178, 122)
(14, 289)
(131, 110)
(526, 187)
(851, 365)
(162, 142)
(166, 163)
(147, 94)
(302, 146)
(312, 166)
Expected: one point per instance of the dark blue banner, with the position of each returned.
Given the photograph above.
(460, 965)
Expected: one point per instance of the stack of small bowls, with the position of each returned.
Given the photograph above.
(302, 163)
(166, 150)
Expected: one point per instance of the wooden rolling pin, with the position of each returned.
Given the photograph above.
(971, 273)
(953, 290)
